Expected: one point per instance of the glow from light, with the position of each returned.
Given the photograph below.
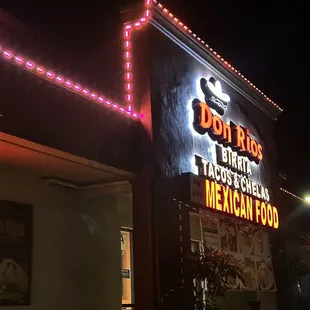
(29, 65)
(217, 90)
(190, 115)
(198, 137)
(7, 54)
(201, 97)
(68, 83)
(194, 167)
(19, 59)
(40, 70)
(307, 199)
(199, 93)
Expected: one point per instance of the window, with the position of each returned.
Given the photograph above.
(127, 270)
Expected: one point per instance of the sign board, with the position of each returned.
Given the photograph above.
(226, 185)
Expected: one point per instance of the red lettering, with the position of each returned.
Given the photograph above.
(259, 152)
(205, 116)
(227, 132)
(204, 121)
(254, 148)
(248, 141)
(217, 126)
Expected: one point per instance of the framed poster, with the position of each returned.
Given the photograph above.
(15, 253)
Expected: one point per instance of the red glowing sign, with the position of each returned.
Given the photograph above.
(230, 135)
(227, 200)
(224, 199)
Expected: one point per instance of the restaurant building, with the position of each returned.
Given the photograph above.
(178, 153)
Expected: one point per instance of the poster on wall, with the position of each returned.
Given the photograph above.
(15, 253)
(248, 243)
(210, 231)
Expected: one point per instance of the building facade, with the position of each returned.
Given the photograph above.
(104, 195)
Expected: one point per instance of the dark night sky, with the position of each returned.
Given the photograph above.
(264, 40)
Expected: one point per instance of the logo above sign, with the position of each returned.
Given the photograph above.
(214, 95)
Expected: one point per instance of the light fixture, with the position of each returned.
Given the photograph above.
(307, 199)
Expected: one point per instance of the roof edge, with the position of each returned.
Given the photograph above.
(165, 21)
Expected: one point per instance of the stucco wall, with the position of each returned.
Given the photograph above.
(76, 257)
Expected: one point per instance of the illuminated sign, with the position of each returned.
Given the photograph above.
(230, 159)
(233, 193)
(230, 178)
(226, 186)
(230, 201)
(214, 95)
(235, 136)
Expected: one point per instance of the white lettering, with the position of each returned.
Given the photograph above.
(226, 176)
(248, 168)
(217, 173)
(204, 166)
(210, 173)
(243, 184)
(224, 155)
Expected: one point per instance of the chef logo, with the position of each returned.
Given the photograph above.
(214, 95)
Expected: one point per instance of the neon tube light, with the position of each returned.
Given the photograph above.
(68, 84)
(51, 76)
(176, 21)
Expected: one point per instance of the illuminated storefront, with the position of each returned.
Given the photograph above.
(124, 191)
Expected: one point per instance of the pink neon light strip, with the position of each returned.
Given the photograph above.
(128, 30)
(68, 84)
(227, 65)
(60, 80)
